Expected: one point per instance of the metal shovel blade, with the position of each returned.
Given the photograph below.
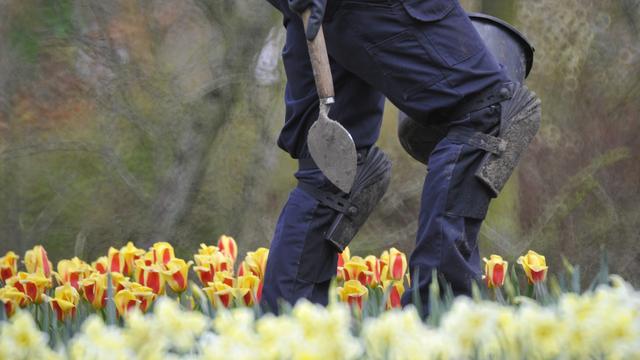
(334, 151)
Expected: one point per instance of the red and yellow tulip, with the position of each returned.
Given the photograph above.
(12, 298)
(353, 293)
(343, 257)
(152, 277)
(255, 263)
(130, 254)
(249, 289)
(394, 289)
(220, 294)
(495, 269)
(374, 269)
(31, 284)
(176, 274)
(8, 265)
(94, 290)
(125, 300)
(394, 264)
(65, 301)
(356, 269)
(72, 272)
(162, 252)
(534, 265)
(36, 261)
(227, 245)
(101, 265)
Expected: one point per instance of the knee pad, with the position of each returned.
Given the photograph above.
(353, 209)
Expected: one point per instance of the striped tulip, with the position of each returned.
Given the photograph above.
(343, 257)
(8, 265)
(36, 261)
(208, 265)
(65, 301)
(256, 262)
(101, 265)
(353, 293)
(374, 270)
(114, 260)
(225, 277)
(162, 252)
(395, 289)
(152, 278)
(31, 284)
(227, 245)
(130, 254)
(249, 289)
(94, 290)
(534, 265)
(355, 269)
(220, 294)
(207, 249)
(125, 300)
(176, 274)
(72, 272)
(394, 264)
(12, 298)
(495, 269)
(144, 294)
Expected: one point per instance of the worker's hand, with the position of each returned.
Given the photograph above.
(317, 14)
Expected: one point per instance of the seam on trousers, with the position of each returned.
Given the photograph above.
(297, 278)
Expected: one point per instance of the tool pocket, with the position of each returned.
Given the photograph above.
(446, 28)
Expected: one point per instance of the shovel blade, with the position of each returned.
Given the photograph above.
(334, 151)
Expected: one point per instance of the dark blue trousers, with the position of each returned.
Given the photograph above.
(426, 57)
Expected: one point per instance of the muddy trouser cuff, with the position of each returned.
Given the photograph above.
(353, 209)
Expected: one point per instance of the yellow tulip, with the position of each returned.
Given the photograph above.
(353, 293)
(125, 300)
(495, 269)
(12, 298)
(8, 265)
(94, 290)
(534, 265)
(162, 252)
(65, 301)
(101, 265)
(249, 289)
(36, 260)
(228, 246)
(394, 264)
(176, 274)
(72, 272)
(130, 254)
(33, 285)
(356, 269)
(220, 294)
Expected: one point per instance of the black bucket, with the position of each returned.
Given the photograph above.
(510, 48)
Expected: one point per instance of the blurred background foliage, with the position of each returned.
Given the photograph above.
(156, 120)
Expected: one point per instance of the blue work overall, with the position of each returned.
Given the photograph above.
(426, 57)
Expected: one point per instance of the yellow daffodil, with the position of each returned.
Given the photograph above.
(31, 284)
(176, 274)
(8, 265)
(162, 252)
(495, 270)
(36, 261)
(65, 301)
(353, 293)
(130, 254)
(228, 246)
(534, 265)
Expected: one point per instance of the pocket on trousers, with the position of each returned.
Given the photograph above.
(446, 27)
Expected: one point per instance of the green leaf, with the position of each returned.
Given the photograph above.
(111, 304)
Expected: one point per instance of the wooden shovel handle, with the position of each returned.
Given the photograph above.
(319, 61)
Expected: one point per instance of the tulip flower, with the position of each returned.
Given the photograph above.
(394, 264)
(225, 277)
(72, 272)
(101, 265)
(162, 252)
(343, 257)
(495, 269)
(12, 298)
(353, 292)
(33, 285)
(249, 289)
(36, 261)
(94, 290)
(395, 289)
(208, 265)
(65, 301)
(374, 270)
(256, 262)
(114, 260)
(355, 269)
(534, 265)
(228, 246)
(176, 274)
(130, 254)
(125, 300)
(8, 265)
(143, 294)
(220, 294)
(207, 249)
(152, 278)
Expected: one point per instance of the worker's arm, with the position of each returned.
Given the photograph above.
(317, 14)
